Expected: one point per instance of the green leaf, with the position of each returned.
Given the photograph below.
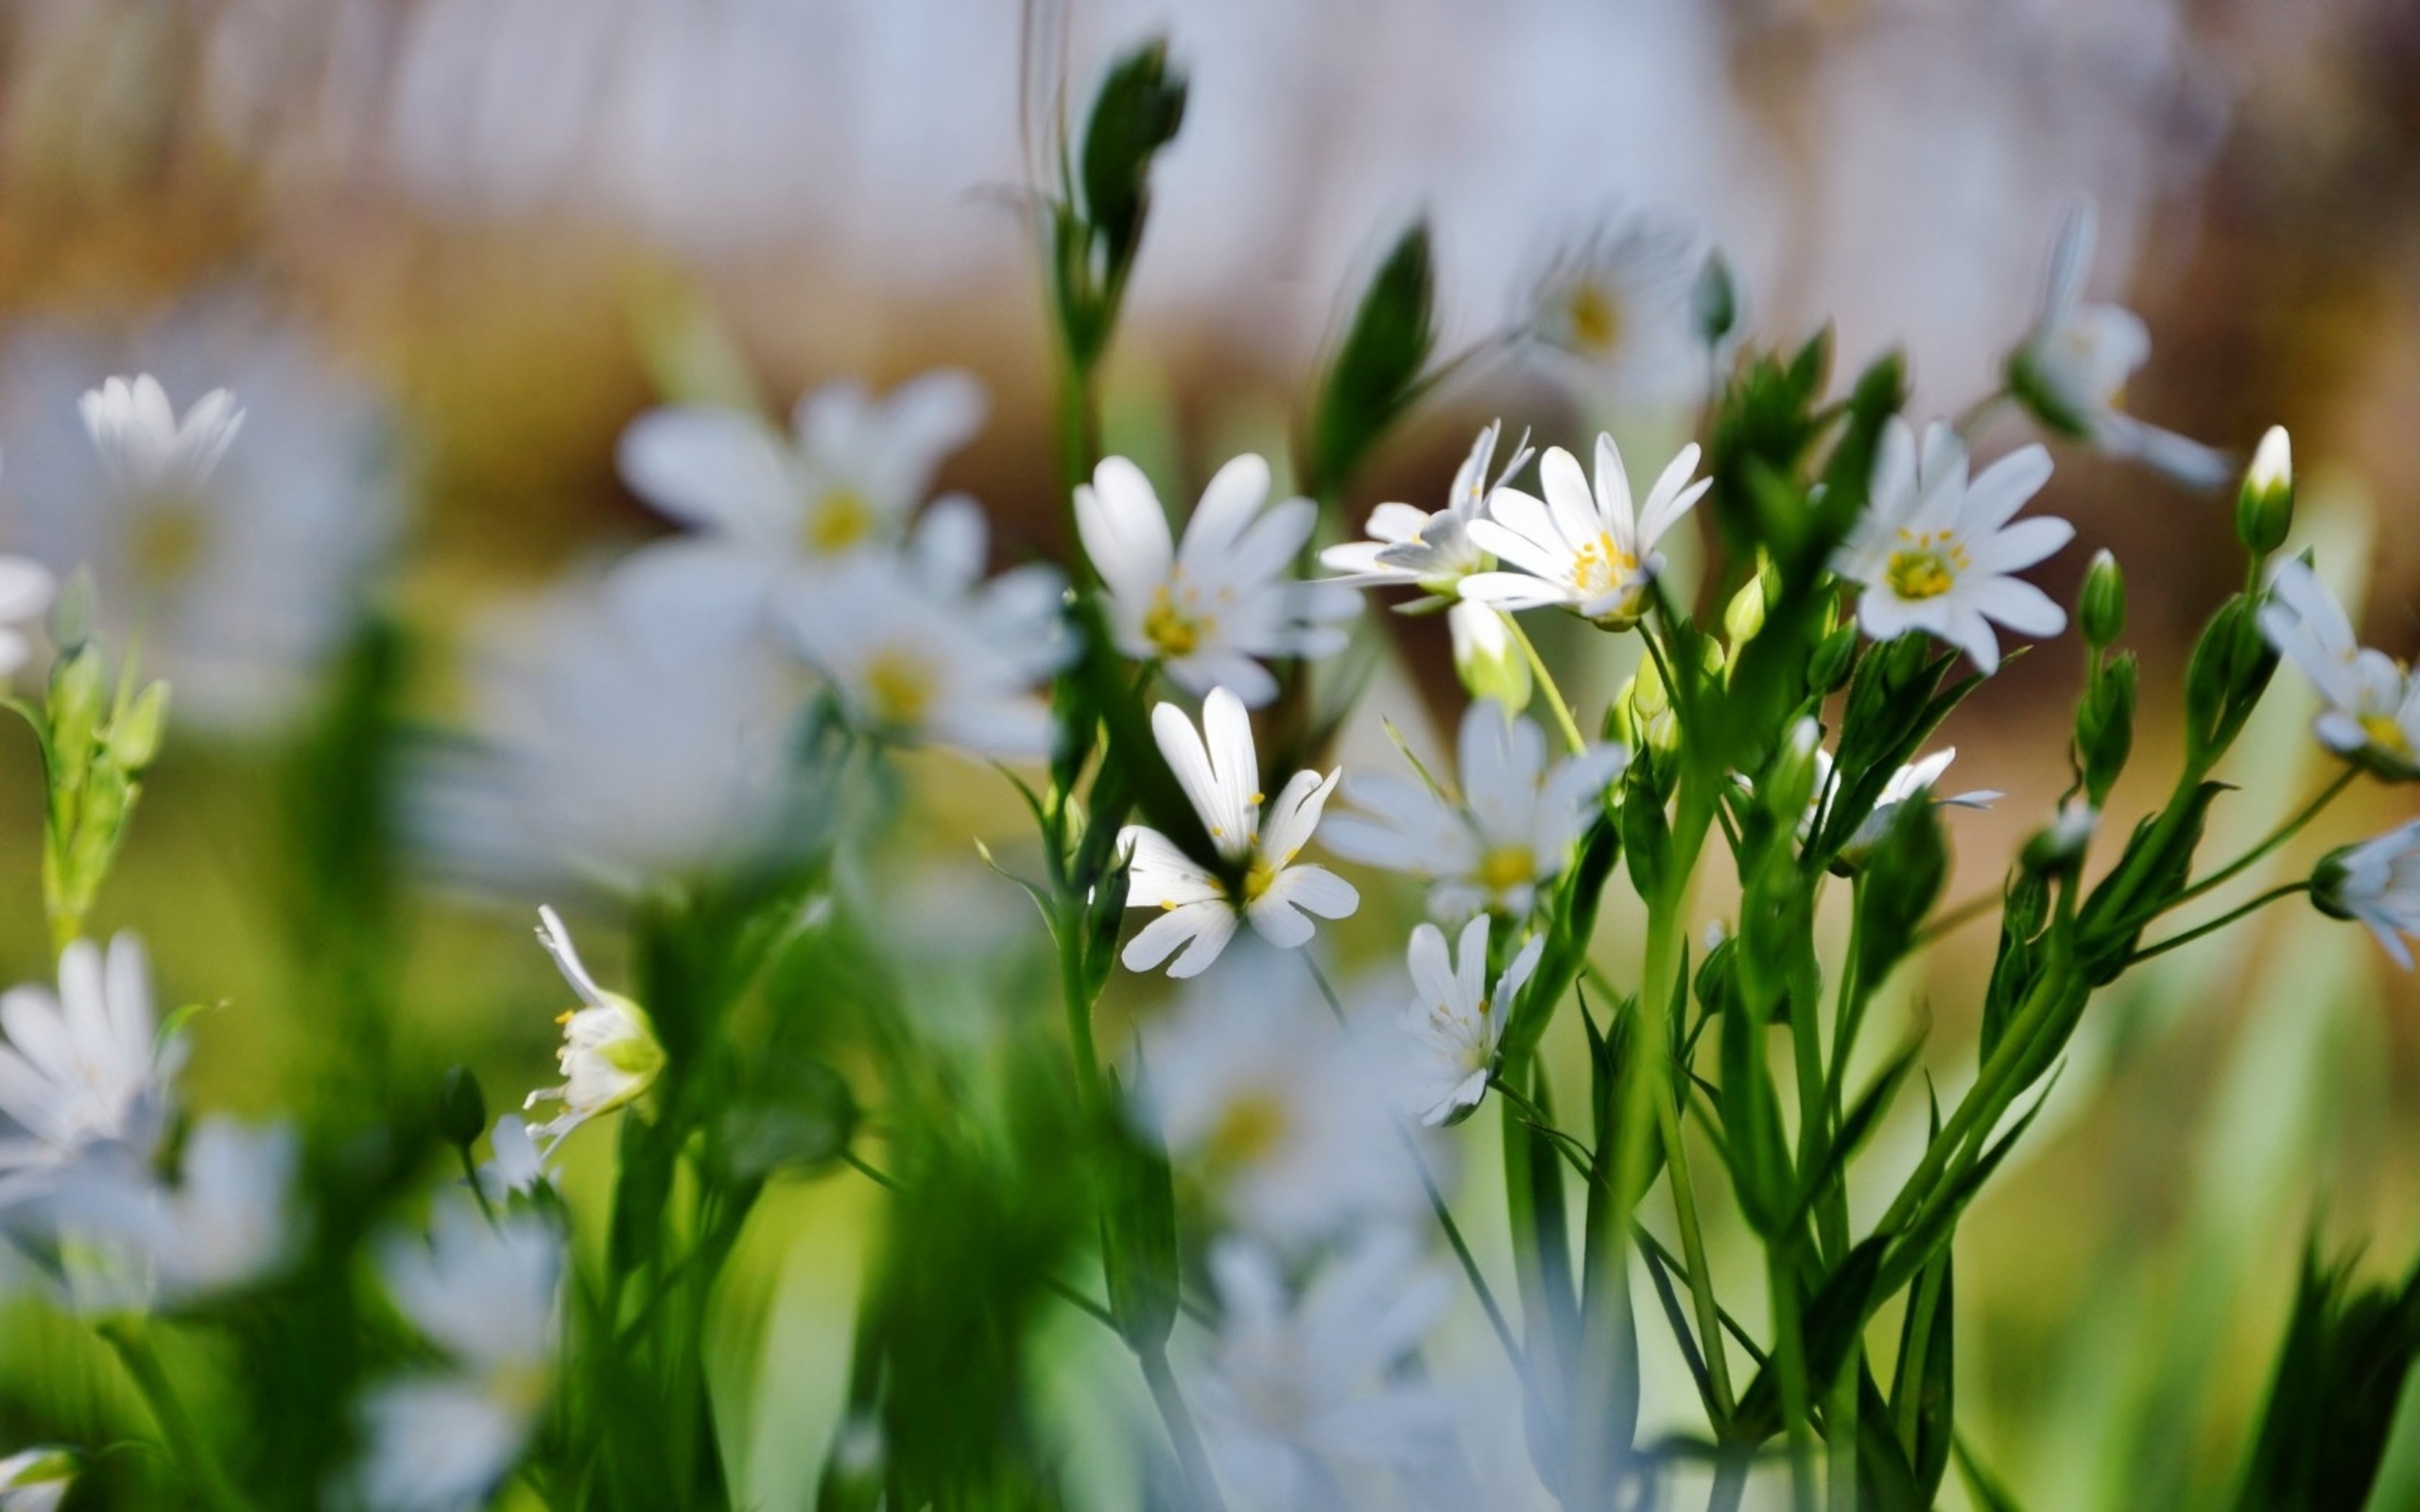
(1377, 373)
(1138, 1238)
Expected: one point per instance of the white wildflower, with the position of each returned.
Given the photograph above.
(2373, 704)
(84, 1076)
(516, 1164)
(1937, 553)
(1593, 554)
(1619, 300)
(1410, 547)
(1455, 1020)
(2377, 883)
(1222, 780)
(1208, 608)
(1510, 832)
(610, 1055)
(145, 448)
(226, 1224)
(1905, 785)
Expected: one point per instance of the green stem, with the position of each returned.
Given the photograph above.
(1840, 1435)
(1789, 1357)
(1079, 1009)
(184, 1439)
(1571, 734)
(2287, 890)
(1183, 1435)
(2278, 837)
(1701, 1274)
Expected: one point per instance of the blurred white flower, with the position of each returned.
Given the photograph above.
(1456, 1021)
(36, 1480)
(919, 650)
(227, 1223)
(1295, 1383)
(1410, 547)
(1279, 1114)
(1510, 832)
(1206, 608)
(1908, 782)
(485, 1295)
(2072, 368)
(2373, 705)
(610, 1055)
(84, 1076)
(1222, 780)
(516, 1165)
(848, 477)
(1619, 299)
(26, 588)
(1938, 554)
(2377, 882)
(241, 560)
(1593, 554)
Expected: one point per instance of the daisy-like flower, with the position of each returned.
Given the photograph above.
(1410, 547)
(236, 540)
(1205, 608)
(36, 1480)
(1456, 1021)
(226, 1224)
(2377, 883)
(848, 477)
(920, 652)
(1909, 783)
(1937, 552)
(1277, 1116)
(84, 1075)
(610, 1055)
(2071, 369)
(1222, 776)
(1593, 554)
(485, 1295)
(1508, 834)
(2373, 704)
(1295, 1383)
(1617, 302)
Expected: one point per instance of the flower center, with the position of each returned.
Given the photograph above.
(1257, 876)
(1595, 317)
(1507, 866)
(167, 538)
(837, 521)
(1602, 566)
(1249, 1131)
(1175, 632)
(1926, 565)
(2386, 734)
(899, 688)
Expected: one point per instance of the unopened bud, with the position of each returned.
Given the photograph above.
(2264, 511)
(1745, 614)
(1714, 305)
(1835, 659)
(134, 736)
(73, 612)
(1789, 788)
(2060, 843)
(2101, 609)
(461, 1107)
(77, 699)
(1485, 657)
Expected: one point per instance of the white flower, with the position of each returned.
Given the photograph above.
(1411, 547)
(2072, 368)
(1295, 1382)
(1278, 1114)
(610, 1055)
(516, 1165)
(2373, 714)
(1455, 1020)
(848, 477)
(240, 559)
(84, 1075)
(145, 448)
(228, 1223)
(2070, 830)
(1206, 608)
(919, 651)
(1908, 782)
(2377, 882)
(1619, 300)
(26, 588)
(1592, 554)
(485, 1295)
(1222, 780)
(1936, 553)
(36, 1480)
(1511, 831)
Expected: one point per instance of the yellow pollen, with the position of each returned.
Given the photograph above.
(838, 520)
(1173, 631)
(1507, 866)
(168, 536)
(565, 1017)
(2386, 734)
(1595, 317)
(1248, 1131)
(1256, 879)
(1602, 566)
(1927, 564)
(899, 686)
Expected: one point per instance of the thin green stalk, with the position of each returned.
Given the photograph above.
(1182, 1437)
(1570, 726)
(185, 1444)
(2287, 890)
(1790, 1358)
(1079, 1011)
(2278, 837)
(1700, 1273)
(1840, 1434)
(1921, 1306)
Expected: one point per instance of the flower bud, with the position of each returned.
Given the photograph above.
(1788, 787)
(1745, 614)
(2264, 511)
(1485, 657)
(2105, 726)
(73, 612)
(1713, 303)
(461, 1107)
(2101, 609)
(76, 701)
(2060, 843)
(1835, 658)
(134, 736)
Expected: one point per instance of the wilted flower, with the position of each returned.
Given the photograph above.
(2377, 882)
(1908, 782)
(2373, 714)
(2072, 368)
(1410, 547)
(1510, 832)
(84, 1073)
(1592, 554)
(485, 1295)
(610, 1055)
(36, 1480)
(1619, 301)
(1294, 1382)
(1205, 608)
(1937, 553)
(1455, 1020)
(1222, 780)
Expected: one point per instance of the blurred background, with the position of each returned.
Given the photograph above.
(445, 249)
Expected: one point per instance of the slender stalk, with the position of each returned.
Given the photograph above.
(1080, 1009)
(2276, 837)
(185, 1440)
(1182, 1437)
(1789, 1356)
(1701, 1274)
(2287, 890)
(1570, 726)
(1840, 1435)
(881, 1179)
(1950, 918)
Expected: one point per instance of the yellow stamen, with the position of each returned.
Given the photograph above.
(1507, 866)
(899, 686)
(169, 537)
(2386, 734)
(1172, 630)
(1595, 320)
(838, 520)
(1248, 1131)
(1927, 564)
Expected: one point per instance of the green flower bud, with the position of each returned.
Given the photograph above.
(2060, 843)
(77, 701)
(1835, 659)
(2264, 511)
(1713, 303)
(1485, 657)
(73, 612)
(1745, 614)
(134, 737)
(2327, 881)
(461, 1107)
(2105, 727)
(2101, 609)
(1788, 785)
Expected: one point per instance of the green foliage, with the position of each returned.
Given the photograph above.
(1377, 373)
